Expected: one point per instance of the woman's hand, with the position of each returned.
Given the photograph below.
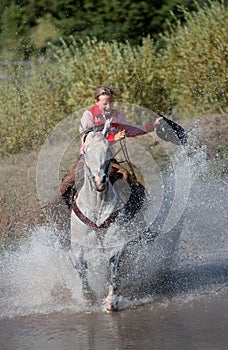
(119, 135)
(157, 121)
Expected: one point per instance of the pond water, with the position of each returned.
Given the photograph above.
(193, 322)
(41, 307)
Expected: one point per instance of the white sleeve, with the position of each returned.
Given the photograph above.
(87, 121)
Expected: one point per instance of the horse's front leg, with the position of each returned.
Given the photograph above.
(113, 298)
(81, 267)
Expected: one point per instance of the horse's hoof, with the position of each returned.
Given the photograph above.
(111, 308)
(112, 301)
(111, 305)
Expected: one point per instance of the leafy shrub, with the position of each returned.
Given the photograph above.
(194, 61)
(88, 64)
(187, 75)
(30, 108)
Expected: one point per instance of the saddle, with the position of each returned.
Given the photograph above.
(67, 188)
(59, 209)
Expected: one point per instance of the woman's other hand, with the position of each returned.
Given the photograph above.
(120, 135)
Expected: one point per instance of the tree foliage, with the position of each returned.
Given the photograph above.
(187, 76)
(184, 77)
(129, 20)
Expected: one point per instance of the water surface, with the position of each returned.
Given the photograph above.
(41, 307)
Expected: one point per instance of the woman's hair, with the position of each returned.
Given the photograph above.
(104, 90)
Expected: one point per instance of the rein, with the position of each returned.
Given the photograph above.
(127, 158)
(90, 223)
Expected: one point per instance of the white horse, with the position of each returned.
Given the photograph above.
(111, 245)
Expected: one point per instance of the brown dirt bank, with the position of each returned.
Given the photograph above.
(20, 209)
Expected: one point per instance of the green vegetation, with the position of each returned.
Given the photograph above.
(185, 75)
(194, 62)
(27, 25)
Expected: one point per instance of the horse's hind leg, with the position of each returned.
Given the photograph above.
(81, 267)
(112, 299)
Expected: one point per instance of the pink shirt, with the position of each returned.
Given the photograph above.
(93, 117)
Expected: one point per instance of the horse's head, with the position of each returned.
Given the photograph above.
(97, 159)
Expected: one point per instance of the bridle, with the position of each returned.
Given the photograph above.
(90, 223)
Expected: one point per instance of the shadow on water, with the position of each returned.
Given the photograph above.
(192, 279)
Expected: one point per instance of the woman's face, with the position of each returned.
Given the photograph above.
(105, 103)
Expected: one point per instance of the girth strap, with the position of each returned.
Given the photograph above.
(90, 223)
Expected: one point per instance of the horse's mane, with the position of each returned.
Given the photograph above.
(98, 134)
(94, 137)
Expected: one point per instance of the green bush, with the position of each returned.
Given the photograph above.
(193, 62)
(187, 75)
(30, 108)
(88, 64)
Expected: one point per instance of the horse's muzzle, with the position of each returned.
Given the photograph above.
(101, 182)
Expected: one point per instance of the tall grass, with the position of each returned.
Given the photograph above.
(29, 108)
(194, 61)
(188, 75)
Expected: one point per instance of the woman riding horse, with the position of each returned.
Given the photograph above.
(107, 232)
(94, 119)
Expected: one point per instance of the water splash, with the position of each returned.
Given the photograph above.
(36, 277)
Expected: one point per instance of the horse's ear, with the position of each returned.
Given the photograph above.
(106, 127)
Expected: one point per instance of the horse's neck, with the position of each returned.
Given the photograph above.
(96, 206)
